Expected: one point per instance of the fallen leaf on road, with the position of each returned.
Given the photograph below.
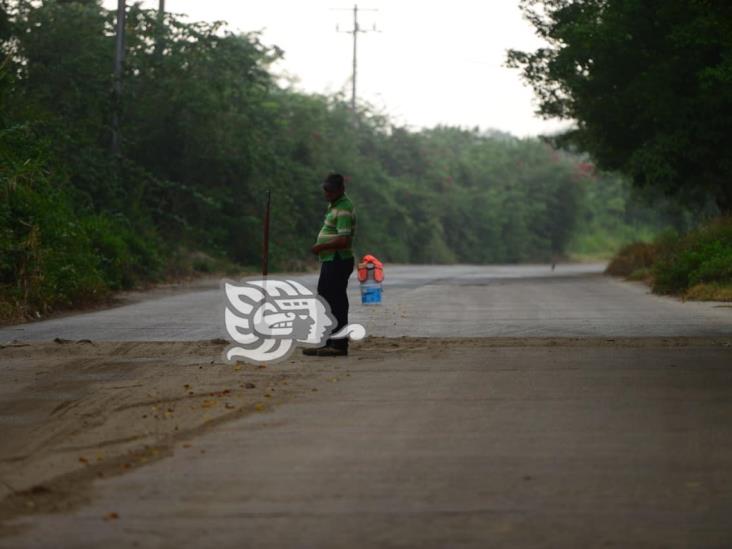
(83, 460)
(111, 516)
(259, 407)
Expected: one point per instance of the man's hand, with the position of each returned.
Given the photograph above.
(337, 243)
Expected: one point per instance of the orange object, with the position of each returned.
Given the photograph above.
(370, 263)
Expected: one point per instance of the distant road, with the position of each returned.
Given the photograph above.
(501, 301)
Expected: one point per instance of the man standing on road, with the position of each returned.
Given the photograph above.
(334, 248)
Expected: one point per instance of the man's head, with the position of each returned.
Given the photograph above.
(333, 186)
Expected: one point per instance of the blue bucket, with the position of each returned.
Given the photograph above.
(370, 294)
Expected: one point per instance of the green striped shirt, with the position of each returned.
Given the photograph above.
(340, 220)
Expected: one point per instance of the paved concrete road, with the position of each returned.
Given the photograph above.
(459, 300)
(448, 447)
(625, 444)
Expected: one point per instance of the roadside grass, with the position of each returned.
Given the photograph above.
(641, 275)
(71, 285)
(710, 292)
(697, 265)
(605, 243)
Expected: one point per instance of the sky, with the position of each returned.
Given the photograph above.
(428, 63)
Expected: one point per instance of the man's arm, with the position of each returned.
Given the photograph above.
(337, 243)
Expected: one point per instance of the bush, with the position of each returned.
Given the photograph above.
(697, 265)
(702, 256)
(47, 260)
(633, 258)
(124, 256)
(50, 256)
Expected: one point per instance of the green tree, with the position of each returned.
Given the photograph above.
(648, 82)
(206, 129)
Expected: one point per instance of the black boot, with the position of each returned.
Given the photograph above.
(331, 350)
(311, 351)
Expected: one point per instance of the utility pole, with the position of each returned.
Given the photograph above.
(119, 59)
(355, 31)
(160, 31)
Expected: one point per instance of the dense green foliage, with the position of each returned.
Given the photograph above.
(703, 256)
(50, 254)
(697, 264)
(613, 213)
(205, 131)
(610, 216)
(649, 84)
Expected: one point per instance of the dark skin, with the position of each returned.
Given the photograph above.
(339, 242)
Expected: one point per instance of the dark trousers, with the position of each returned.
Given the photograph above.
(332, 286)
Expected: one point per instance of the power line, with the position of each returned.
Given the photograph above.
(355, 32)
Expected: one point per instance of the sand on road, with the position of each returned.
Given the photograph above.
(112, 444)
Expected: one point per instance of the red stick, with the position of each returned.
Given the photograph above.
(265, 250)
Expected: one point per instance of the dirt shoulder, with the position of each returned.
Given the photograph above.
(77, 411)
